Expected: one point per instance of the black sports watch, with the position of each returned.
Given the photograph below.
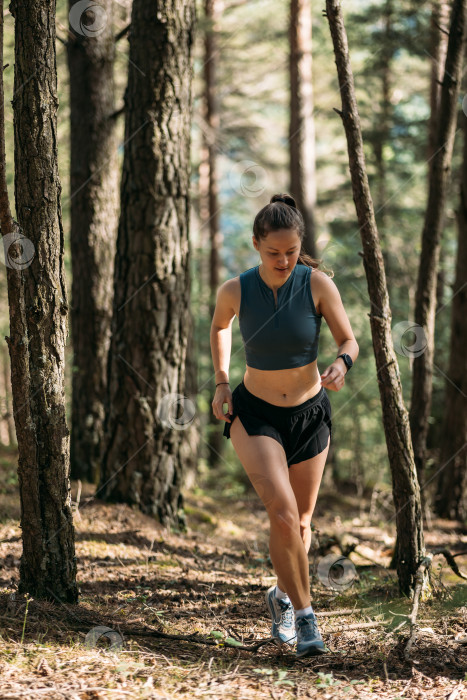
(347, 360)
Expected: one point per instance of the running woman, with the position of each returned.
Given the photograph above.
(279, 416)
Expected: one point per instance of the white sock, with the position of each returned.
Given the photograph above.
(281, 594)
(304, 611)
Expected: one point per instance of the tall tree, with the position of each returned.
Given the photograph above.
(439, 36)
(143, 445)
(405, 486)
(451, 499)
(425, 300)
(38, 314)
(302, 120)
(211, 211)
(94, 221)
(383, 129)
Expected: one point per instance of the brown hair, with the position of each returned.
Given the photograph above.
(282, 212)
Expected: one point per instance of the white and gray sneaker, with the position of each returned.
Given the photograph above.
(283, 617)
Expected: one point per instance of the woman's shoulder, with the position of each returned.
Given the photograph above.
(319, 274)
(321, 285)
(231, 287)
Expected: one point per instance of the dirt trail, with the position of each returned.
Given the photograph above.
(144, 582)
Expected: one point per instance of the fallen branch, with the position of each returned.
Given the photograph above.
(450, 560)
(228, 642)
(360, 626)
(345, 549)
(375, 563)
(345, 611)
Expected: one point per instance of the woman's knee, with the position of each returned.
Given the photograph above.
(264, 461)
(305, 530)
(265, 487)
(285, 519)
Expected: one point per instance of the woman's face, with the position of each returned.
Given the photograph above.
(279, 251)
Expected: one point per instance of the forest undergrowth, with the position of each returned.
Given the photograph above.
(166, 614)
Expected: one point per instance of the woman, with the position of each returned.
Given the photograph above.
(279, 417)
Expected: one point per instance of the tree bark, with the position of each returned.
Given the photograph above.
(383, 132)
(438, 50)
(212, 10)
(451, 501)
(439, 44)
(94, 221)
(142, 459)
(38, 313)
(7, 224)
(302, 121)
(406, 491)
(425, 300)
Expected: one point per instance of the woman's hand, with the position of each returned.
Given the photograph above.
(223, 395)
(333, 377)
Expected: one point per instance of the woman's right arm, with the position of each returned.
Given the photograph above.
(221, 345)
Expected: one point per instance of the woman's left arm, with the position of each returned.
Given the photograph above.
(330, 305)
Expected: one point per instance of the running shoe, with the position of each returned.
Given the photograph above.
(309, 639)
(283, 617)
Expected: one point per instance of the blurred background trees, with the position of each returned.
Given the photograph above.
(244, 111)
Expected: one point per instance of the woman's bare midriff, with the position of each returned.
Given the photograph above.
(284, 387)
(281, 387)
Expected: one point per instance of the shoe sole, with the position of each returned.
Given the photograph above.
(280, 642)
(311, 651)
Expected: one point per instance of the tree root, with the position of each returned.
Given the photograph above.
(426, 564)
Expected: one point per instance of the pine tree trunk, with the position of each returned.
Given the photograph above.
(302, 121)
(212, 11)
(94, 221)
(142, 457)
(425, 302)
(451, 499)
(383, 131)
(38, 315)
(405, 487)
(438, 50)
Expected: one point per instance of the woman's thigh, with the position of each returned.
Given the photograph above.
(305, 479)
(265, 463)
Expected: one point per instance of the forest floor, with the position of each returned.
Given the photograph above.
(177, 602)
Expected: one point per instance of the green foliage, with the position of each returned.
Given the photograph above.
(253, 162)
(386, 43)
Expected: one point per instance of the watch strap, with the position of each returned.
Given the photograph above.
(344, 357)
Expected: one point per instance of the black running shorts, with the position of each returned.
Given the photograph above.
(302, 430)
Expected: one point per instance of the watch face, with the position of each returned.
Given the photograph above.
(348, 360)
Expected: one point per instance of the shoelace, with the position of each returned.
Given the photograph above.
(303, 623)
(287, 615)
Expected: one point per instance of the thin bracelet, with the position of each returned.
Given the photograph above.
(222, 383)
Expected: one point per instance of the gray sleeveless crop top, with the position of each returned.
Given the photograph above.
(282, 336)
